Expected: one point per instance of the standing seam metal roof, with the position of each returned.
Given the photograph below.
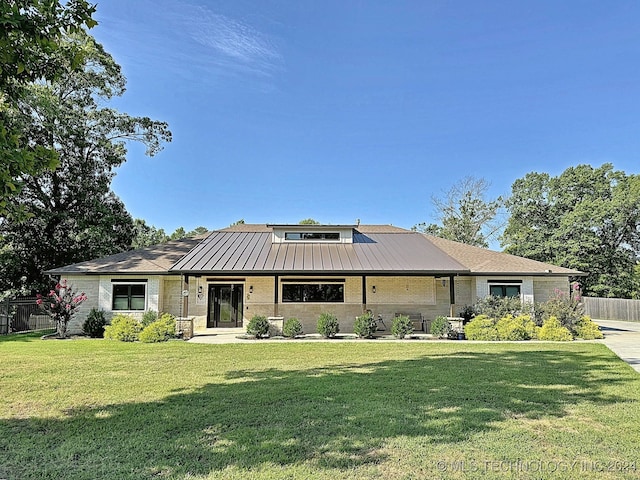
(229, 251)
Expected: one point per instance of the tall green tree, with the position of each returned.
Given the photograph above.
(465, 214)
(146, 235)
(586, 218)
(308, 221)
(32, 48)
(72, 214)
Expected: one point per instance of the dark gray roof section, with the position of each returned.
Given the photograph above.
(248, 250)
(156, 260)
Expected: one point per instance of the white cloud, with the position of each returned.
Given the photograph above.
(230, 43)
(191, 41)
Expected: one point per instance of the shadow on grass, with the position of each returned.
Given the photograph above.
(337, 417)
(26, 336)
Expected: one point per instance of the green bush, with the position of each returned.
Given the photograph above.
(159, 331)
(587, 329)
(440, 327)
(149, 317)
(498, 307)
(481, 328)
(566, 309)
(467, 313)
(328, 325)
(95, 323)
(553, 330)
(124, 328)
(365, 326)
(258, 326)
(401, 326)
(292, 328)
(516, 328)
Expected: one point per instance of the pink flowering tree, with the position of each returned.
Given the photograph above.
(60, 304)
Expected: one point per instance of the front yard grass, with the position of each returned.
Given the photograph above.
(88, 409)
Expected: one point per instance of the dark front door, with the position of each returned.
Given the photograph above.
(225, 306)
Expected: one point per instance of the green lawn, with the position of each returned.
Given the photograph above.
(93, 409)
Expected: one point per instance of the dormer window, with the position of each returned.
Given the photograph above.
(306, 236)
(312, 233)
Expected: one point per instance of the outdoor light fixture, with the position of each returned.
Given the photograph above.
(250, 288)
(199, 289)
(373, 289)
(444, 282)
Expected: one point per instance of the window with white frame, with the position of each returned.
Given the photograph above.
(129, 296)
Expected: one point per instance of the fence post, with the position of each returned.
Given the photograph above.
(4, 312)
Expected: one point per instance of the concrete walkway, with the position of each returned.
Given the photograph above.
(623, 338)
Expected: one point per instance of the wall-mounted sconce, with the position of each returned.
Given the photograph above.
(250, 288)
(444, 282)
(199, 289)
(373, 289)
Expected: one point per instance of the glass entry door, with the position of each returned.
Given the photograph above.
(225, 306)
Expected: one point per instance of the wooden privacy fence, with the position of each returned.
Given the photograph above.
(612, 308)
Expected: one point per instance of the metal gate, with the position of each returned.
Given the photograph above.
(22, 314)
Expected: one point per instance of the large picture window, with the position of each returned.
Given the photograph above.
(129, 296)
(313, 292)
(504, 290)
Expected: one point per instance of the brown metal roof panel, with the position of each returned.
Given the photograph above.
(251, 253)
(379, 254)
(308, 257)
(288, 261)
(189, 259)
(354, 260)
(326, 258)
(208, 258)
(235, 252)
(343, 253)
(336, 259)
(270, 258)
(398, 254)
(298, 259)
(404, 251)
(259, 261)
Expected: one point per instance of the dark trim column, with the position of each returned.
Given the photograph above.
(185, 300)
(452, 296)
(364, 292)
(276, 295)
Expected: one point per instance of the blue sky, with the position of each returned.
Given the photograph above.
(345, 110)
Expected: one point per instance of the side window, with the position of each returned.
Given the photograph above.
(129, 296)
(504, 290)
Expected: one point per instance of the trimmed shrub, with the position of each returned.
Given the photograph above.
(498, 307)
(587, 329)
(328, 325)
(124, 328)
(95, 323)
(401, 326)
(365, 326)
(159, 331)
(566, 309)
(553, 330)
(481, 328)
(440, 327)
(516, 328)
(149, 317)
(258, 326)
(292, 328)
